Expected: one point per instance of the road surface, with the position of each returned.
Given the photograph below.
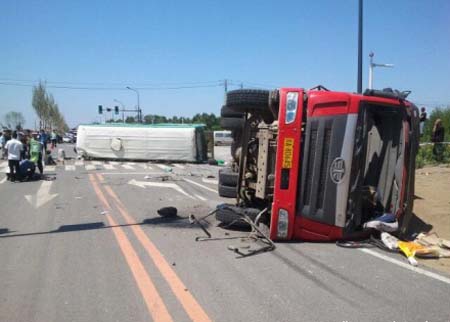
(89, 246)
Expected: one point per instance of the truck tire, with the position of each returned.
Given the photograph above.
(231, 123)
(228, 178)
(225, 111)
(227, 192)
(228, 214)
(255, 101)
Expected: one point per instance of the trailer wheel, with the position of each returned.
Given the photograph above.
(228, 178)
(227, 192)
(231, 123)
(232, 215)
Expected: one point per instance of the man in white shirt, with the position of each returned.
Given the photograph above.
(14, 148)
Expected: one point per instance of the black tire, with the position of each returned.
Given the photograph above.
(227, 192)
(227, 112)
(231, 123)
(255, 101)
(247, 100)
(228, 178)
(228, 214)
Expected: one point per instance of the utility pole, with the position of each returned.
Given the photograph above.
(371, 67)
(225, 84)
(360, 45)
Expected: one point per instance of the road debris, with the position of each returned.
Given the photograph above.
(167, 212)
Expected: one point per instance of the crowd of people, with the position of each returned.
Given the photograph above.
(25, 151)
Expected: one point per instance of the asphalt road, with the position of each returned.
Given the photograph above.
(89, 246)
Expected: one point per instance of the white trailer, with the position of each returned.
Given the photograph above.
(159, 142)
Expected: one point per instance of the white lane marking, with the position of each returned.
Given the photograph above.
(109, 166)
(142, 165)
(96, 162)
(149, 167)
(70, 168)
(50, 168)
(164, 167)
(42, 196)
(212, 181)
(406, 265)
(174, 186)
(179, 166)
(3, 180)
(114, 162)
(127, 166)
(131, 163)
(200, 185)
(200, 197)
(90, 167)
(79, 163)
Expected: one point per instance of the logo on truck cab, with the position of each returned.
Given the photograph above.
(337, 170)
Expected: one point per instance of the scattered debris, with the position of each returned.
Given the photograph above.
(385, 223)
(78, 197)
(167, 212)
(104, 212)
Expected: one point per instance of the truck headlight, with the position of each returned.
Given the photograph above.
(283, 221)
(291, 107)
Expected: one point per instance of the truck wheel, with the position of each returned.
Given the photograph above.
(228, 178)
(225, 111)
(228, 214)
(231, 123)
(255, 101)
(227, 192)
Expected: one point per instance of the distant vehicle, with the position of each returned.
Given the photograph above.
(160, 142)
(222, 138)
(67, 139)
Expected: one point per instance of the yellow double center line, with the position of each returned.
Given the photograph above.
(153, 300)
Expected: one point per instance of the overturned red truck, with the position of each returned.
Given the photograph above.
(320, 163)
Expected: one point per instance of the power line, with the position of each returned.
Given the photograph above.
(106, 84)
(114, 88)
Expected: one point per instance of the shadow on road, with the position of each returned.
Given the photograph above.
(175, 222)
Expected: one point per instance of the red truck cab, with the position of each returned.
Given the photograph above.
(323, 163)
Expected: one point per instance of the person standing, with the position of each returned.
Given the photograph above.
(422, 120)
(54, 139)
(43, 140)
(437, 137)
(36, 152)
(14, 148)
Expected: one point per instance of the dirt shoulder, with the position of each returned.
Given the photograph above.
(432, 207)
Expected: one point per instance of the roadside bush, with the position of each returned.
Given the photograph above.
(425, 156)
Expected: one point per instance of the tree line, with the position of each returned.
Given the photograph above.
(47, 110)
(211, 121)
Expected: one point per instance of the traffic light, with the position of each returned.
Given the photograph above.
(116, 110)
(100, 109)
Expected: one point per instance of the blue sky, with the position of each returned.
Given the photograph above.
(177, 43)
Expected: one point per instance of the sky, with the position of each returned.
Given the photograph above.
(179, 52)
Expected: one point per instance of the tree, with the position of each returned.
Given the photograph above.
(47, 110)
(130, 119)
(14, 120)
(442, 113)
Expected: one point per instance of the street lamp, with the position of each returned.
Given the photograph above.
(123, 109)
(371, 67)
(138, 105)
